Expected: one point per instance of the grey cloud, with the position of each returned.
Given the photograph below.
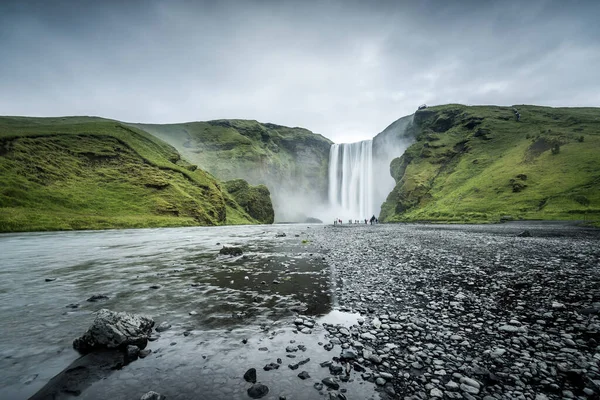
(343, 69)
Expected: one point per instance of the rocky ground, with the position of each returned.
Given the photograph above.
(467, 312)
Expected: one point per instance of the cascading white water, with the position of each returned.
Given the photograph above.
(351, 180)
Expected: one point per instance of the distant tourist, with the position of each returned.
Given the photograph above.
(373, 219)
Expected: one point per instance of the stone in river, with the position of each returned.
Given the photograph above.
(250, 375)
(113, 330)
(231, 251)
(163, 326)
(152, 396)
(330, 383)
(97, 297)
(258, 390)
(303, 375)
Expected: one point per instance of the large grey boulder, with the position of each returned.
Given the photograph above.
(112, 330)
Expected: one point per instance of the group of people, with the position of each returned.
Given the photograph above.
(338, 221)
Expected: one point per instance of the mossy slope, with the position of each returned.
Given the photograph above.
(291, 162)
(479, 164)
(93, 173)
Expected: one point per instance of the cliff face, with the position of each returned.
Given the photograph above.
(291, 162)
(93, 173)
(487, 163)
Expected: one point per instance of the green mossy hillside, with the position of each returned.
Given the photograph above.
(291, 162)
(255, 200)
(93, 173)
(481, 164)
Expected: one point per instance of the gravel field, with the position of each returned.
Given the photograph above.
(474, 312)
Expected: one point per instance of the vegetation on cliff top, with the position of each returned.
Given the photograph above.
(254, 200)
(481, 164)
(291, 162)
(93, 173)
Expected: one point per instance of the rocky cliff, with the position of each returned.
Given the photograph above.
(488, 163)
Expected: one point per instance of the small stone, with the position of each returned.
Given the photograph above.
(152, 396)
(250, 375)
(330, 383)
(164, 326)
(145, 353)
(380, 381)
(97, 297)
(303, 375)
(435, 392)
(258, 390)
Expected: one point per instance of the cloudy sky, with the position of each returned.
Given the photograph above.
(345, 69)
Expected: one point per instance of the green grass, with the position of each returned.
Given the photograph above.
(478, 164)
(92, 173)
(282, 158)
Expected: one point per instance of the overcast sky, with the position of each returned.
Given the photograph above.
(344, 69)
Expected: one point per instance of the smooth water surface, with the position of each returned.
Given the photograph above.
(275, 278)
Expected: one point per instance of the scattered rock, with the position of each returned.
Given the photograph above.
(231, 251)
(258, 390)
(330, 383)
(97, 297)
(112, 330)
(250, 375)
(164, 326)
(303, 375)
(152, 396)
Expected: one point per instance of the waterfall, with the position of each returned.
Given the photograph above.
(351, 180)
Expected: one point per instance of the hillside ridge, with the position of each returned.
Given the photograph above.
(493, 163)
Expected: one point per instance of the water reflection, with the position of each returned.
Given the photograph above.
(164, 273)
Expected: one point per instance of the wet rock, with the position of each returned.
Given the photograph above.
(303, 375)
(231, 251)
(97, 297)
(164, 326)
(131, 353)
(155, 287)
(280, 234)
(112, 329)
(524, 234)
(50, 279)
(271, 366)
(330, 383)
(73, 305)
(335, 369)
(152, 396)
(144, 353)
(349, 355)
(258, 390)
(318, 386)
(250, 375)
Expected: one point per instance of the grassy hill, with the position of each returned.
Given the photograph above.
(481, 164)
(291, 162)
(94, 173)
